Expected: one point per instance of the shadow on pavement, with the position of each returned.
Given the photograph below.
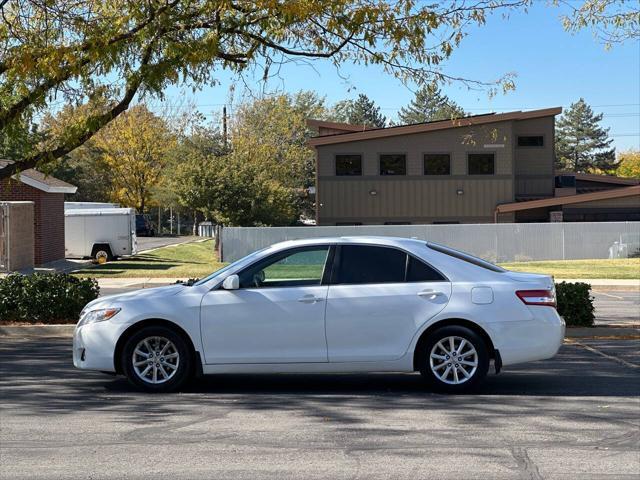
(38, 378)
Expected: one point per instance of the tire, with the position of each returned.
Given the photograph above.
(102, 253)
(171, 371)
(459, 377)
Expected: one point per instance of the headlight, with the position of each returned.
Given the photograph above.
(94, 316)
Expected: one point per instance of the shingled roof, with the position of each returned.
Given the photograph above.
(41, 181)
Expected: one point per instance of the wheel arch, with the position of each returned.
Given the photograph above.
(102, 246)
(136, 327)
(419, 353)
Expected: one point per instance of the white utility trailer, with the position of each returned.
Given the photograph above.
(103, 234)
(89, 205)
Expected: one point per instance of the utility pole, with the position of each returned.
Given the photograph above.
(224, 126)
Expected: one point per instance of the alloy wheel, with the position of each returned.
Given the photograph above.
(155, 360)
(453, 360)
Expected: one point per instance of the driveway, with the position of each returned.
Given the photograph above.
(149, 243)
(617, 306)
(575, 416)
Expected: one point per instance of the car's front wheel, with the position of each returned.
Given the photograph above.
(455, 359)
(157, 359)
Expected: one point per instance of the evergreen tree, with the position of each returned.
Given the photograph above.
(582, 145)
(361, 111)
(429, 105)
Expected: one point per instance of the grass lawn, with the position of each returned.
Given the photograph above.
(197, 260)
(188, 260)
(627, 268)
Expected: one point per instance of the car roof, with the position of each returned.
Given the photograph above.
(360, 239)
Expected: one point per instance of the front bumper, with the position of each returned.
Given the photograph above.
(94, 345)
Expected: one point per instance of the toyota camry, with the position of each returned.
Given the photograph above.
(358, 304)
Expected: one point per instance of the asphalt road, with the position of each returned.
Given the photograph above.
(576, 416)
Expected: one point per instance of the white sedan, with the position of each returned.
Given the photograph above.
(359, 304)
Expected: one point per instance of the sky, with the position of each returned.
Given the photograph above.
(553, 68)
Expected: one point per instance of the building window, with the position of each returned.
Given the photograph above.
(481, 163)
(348, 165)
(394, 164)
(437, 164)
(531, 141)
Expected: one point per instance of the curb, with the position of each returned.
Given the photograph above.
(603, 331)
(15, 331)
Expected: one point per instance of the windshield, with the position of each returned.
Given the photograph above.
(465, 257)
(231, 266)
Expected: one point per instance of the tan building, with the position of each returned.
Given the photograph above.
(451, 171)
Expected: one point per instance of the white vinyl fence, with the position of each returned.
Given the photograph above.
(501, 242)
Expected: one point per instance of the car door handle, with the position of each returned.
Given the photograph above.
(310, 299)
(430, 294)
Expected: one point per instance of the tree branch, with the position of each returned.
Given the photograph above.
(96, 122)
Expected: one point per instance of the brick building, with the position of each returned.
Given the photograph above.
(47, 193)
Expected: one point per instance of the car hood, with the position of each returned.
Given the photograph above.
(144, 293)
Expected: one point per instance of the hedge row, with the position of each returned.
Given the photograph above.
(575, 304)
(44, 297)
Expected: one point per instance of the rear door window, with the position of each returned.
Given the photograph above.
(361, 264)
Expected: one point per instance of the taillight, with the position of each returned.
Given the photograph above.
(537, 297)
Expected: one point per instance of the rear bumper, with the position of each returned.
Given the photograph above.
(529, 340)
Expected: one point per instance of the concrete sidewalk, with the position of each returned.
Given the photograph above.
(606, 283)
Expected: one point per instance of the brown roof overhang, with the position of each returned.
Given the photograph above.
(569, 199)
(41, 181)
(589, 177)
(346, 127)
(430, 126)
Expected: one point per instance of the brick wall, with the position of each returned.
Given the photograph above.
(48, 218)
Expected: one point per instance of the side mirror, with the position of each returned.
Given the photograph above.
(232, 282)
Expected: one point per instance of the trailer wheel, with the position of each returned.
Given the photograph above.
(102, 253)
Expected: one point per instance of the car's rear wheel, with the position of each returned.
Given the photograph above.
(157, 359)
(455, 359)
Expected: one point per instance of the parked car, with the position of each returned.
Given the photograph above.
(102, 234)
(144, 227)
(361, 304)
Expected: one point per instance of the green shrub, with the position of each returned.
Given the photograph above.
(45, 298)
(575, 303)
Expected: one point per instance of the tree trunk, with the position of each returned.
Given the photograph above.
(195, 223)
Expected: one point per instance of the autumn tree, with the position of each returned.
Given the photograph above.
(262, 176)
(361, 111)
(582, 145)
(611, 21)
(428, 105)
(191, 173)
(108, 52)
(629, 164)
(135, 149)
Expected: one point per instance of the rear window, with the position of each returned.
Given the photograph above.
(478, 262)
